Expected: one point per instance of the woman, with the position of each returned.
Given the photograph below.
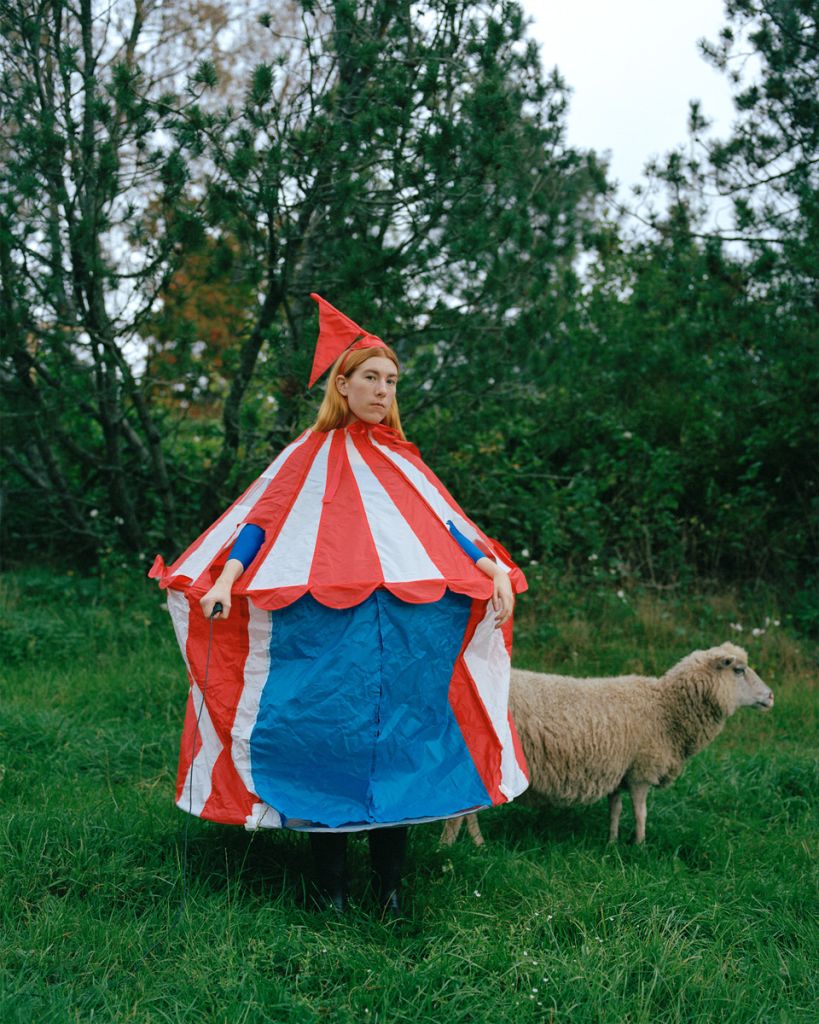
(360, 667)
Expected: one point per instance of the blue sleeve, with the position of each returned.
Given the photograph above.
(247, 544)
(471, 549)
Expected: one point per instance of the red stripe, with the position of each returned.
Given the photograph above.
(520, 757)
(507, 630)
(229, 801)
(189, 745)
(346, 567)
(280, 597)
(473, 718)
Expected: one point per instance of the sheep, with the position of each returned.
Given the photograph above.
(589, 738)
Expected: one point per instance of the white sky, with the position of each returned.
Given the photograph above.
(633, 65)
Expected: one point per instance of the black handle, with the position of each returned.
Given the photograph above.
(216, 609)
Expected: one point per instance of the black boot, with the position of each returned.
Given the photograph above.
(388, 848)
(330, 865)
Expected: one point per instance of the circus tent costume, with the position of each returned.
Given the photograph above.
(359, 680)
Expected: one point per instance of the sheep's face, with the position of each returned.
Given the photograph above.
(748, 689)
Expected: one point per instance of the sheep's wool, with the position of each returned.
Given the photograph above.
(359, 680)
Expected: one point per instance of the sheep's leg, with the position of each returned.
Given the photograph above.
(639, 792)
(615, 807)
(474, 829)
(452, 826)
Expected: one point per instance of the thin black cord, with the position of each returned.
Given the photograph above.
(196, 734)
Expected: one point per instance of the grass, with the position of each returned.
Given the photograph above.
(714, 919)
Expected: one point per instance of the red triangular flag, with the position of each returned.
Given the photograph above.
(337, 332)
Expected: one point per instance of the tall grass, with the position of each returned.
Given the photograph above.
(714, 919)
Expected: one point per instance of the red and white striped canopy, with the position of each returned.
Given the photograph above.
(344, 512)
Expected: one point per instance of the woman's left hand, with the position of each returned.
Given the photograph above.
(503, 598)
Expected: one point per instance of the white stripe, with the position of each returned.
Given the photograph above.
(180, 614)
(257, 670)
(288, 562)
(226, 529)
(199, 779)
(489, 665)
(402, 555)
(434, 498)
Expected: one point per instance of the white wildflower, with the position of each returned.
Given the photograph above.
(621, 594)
(736, 626)
(757, 632)
(592, 558)
(94, 513)
(627, 434)
(524, 553)
(477, 893)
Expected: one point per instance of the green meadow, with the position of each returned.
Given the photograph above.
(714, 919)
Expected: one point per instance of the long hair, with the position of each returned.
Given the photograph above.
(334, 411)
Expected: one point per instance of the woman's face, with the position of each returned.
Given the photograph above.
(370, 388)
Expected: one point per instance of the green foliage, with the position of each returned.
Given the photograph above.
(546, 922)
(205, 74)
(708, 340)
(648, 402)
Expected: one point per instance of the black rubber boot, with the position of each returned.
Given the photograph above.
(330, 866)
(388, 849)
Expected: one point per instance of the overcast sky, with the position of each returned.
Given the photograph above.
(633, 65)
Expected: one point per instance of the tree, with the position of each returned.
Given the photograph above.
(406, 159)
(695, 371)
(409, 161)
(81, 147)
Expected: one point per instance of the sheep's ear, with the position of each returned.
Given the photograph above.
(725, 661)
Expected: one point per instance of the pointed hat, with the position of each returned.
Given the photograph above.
(337, 332)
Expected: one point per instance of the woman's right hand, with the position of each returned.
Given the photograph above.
(218, 593)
